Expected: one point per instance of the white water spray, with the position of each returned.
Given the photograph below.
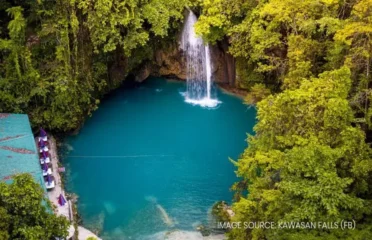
(208, 70)
(199, 70)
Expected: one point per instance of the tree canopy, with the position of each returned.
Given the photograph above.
(307, 163)
(26, 213)
(56, 55)
(310, 158)
(306, 65)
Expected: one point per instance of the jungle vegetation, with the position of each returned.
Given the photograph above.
(26, 213)
(310, 157)
(306, 65)
(55, 56)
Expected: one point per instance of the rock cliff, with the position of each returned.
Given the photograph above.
(170, 62)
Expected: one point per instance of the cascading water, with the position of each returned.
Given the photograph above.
(199, 70)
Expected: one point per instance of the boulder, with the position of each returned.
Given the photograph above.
(143, 73)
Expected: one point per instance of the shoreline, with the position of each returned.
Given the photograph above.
(228, 89)
(53, 195)
(225, 87)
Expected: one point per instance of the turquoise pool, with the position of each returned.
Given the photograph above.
(147, 163)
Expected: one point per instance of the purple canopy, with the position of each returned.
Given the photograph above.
(45, 155)
(49, 179)
(42, 132)
(61, 200)
(45, 167)
(41, 144)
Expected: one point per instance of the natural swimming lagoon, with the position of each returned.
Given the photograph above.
(147, 162)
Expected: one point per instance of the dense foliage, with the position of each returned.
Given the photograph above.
(305, 63)
(25, 213)
(55, 56)
(310, 159)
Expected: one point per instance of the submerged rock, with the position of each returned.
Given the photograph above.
(203, 230)
(182, 235)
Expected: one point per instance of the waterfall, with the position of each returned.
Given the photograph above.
(199, 70)
(208, 70)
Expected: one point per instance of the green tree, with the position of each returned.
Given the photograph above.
(114, 23)
(73, 80)
(307, 162)
(17, 74)
(284, 40)
(257, 93)
(58, 58)
(25, 212)
(355, 39)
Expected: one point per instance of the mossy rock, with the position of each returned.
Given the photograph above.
(219, 211)
(203, 230)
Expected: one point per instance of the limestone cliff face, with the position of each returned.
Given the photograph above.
(117, 70)
(223, 63)
(170, 62)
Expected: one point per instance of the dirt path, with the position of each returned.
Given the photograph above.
(53, 194)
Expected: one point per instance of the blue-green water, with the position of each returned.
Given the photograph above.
(147, 162)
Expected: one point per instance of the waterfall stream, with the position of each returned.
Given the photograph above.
(199, 68)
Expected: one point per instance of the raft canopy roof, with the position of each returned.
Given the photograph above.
(18, 152)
